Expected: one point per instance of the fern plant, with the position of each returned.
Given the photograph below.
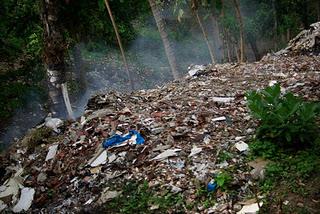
(284, 119)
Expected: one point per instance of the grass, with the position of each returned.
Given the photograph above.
(290, 176)
(140, 198)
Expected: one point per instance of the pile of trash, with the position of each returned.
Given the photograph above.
(306, 42)
(175, 137)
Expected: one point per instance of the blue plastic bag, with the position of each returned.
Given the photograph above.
(118, 139)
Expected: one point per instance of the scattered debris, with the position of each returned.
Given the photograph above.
(133, 137)
(101, 158)
(53, 123)
(212, 186)
(108, 195)
(252, 208)
(306, 42)
(52, 152)
(258, 166)
(25, 200)
(2, 206)
(223, 99)
(166, 154)
(194, 151)
(195, 70)
(242, 146)
(219, 119)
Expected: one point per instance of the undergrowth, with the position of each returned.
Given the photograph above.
(139, 198)
(288, 136)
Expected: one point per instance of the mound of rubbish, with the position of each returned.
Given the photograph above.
(176, 138)
(306, 42)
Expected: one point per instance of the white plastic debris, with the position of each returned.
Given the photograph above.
(242, 146)
(89, 201)
(52, 152)
(238, 138)
(222, 165)
(223, 99)
(219, 119)
(53, 123)
(11, 186)
(194, 151)
(112, 158)
(272, 83)
(25, 200)
(2, 206)
(175, 189)
(252, 208)
(108, 195)
(193, 70)
(101, 159)
(207, 139)
(166, 154)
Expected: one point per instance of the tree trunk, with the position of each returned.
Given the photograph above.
(194, 9)
(120, 44)
(253, 44)
(275, 19)
(54, 48)
(164, 36)
(241, 29)
(226, 49)
(79, 67)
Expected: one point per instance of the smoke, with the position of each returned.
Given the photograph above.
(26, 117)
(146, 58)
(147, 62)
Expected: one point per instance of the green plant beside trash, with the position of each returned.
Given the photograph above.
(223, 180)
(285, 120)
(288, 135)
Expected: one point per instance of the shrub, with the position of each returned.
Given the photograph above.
(286, 120)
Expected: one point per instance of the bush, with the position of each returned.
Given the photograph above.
(286, 120)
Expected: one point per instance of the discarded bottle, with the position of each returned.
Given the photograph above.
(212, 186)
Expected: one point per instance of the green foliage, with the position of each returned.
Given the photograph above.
(291, 169)
(223, 180)
(264, 149)
(284, 119)
(138, 198)
(16, 85)
(19, 21)
(224, 156)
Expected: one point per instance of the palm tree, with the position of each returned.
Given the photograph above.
(164, 36)
(241, 29)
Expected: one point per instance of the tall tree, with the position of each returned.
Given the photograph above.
(241, 29)
(54, 53)
(165, 39)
